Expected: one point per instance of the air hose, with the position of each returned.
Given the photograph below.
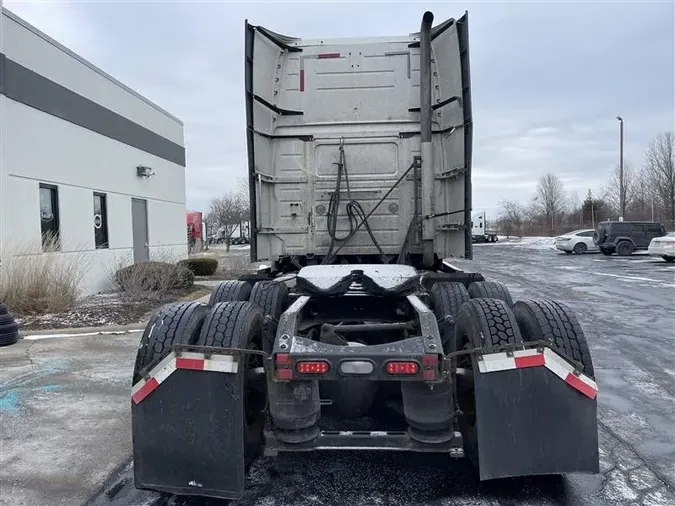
(354, 213)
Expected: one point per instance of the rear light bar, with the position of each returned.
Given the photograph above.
(400, 368)
(286, 369)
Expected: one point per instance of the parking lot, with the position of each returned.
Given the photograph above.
(626, 306)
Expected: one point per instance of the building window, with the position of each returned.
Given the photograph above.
(100, 221)
(49, 216)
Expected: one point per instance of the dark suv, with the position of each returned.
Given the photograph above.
(624, 237)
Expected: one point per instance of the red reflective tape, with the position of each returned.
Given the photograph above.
(429, 360)
(429, 374)
(302, 80)
(584, 388)
(283, 358)
(285, 374)
(530, 361)
(194, 364)
(322, 56)
(145, 390)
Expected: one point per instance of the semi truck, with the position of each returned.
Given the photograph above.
(479, 231)
(359, 331)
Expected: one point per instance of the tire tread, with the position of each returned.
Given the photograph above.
(490, 290)
(557, 324)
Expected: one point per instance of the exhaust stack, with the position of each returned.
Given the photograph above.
(426, 147)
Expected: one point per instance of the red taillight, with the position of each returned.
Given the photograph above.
(283, 363)
(312, 367)
(402, 368)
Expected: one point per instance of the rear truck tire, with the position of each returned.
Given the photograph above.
(230, 291)
(668, 259)
(580, 248)
(624, 248)
(490, 290)
(447, 300)
(239, 325)
(482, 323)
(607, 251)
(272, 298)
(554, 322)
(177, 323)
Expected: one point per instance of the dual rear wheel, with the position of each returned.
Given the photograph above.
(233, 318)
(490, 320)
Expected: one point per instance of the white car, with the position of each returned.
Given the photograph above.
(578, 241)
(663, 247)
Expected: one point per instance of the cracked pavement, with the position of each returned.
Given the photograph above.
(625, 305)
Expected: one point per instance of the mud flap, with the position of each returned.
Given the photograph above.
(187, 427)
(531, 422)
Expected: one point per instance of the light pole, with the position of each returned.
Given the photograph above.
(622, 196)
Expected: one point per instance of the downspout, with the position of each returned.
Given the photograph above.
(426, 147)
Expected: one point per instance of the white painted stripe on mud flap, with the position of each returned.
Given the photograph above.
(221, 363)
(190, 361)
(217, 363)
(496, 362)
(167, 362)
(562, 368)
(532, 358)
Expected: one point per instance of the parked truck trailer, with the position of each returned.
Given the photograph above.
(358, 333)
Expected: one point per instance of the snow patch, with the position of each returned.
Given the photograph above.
(533, 243)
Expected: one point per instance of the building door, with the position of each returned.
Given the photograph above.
(139, 223)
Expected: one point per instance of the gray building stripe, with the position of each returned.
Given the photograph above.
(30, 88)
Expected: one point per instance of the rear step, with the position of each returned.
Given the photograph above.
(365, 440)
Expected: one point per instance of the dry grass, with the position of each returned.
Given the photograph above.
(36, 281)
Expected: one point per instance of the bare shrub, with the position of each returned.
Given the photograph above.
(37, 279)
(157, 277)
(200, 266)
(152, 280)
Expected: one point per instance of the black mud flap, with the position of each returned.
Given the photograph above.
(530, 421)
(187, 429)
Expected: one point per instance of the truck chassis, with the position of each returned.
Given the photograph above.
(360, 357)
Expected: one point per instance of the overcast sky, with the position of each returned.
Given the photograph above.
(548, 78)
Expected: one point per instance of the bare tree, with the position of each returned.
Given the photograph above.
(641, 207)
(574, 207)
(550, 197)
(511, 218)
(228, 212)
(614, 188)
(660, 170)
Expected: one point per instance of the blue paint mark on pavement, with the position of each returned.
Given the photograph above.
(10, 401)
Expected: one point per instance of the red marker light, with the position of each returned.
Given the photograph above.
(283, 363)
(312, 367)
(402, 368)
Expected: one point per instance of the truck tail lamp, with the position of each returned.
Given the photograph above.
(402, 368)
(312, 367)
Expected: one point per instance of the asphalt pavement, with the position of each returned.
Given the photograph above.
(627, 309)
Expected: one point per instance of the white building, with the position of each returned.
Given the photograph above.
(76, 150)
